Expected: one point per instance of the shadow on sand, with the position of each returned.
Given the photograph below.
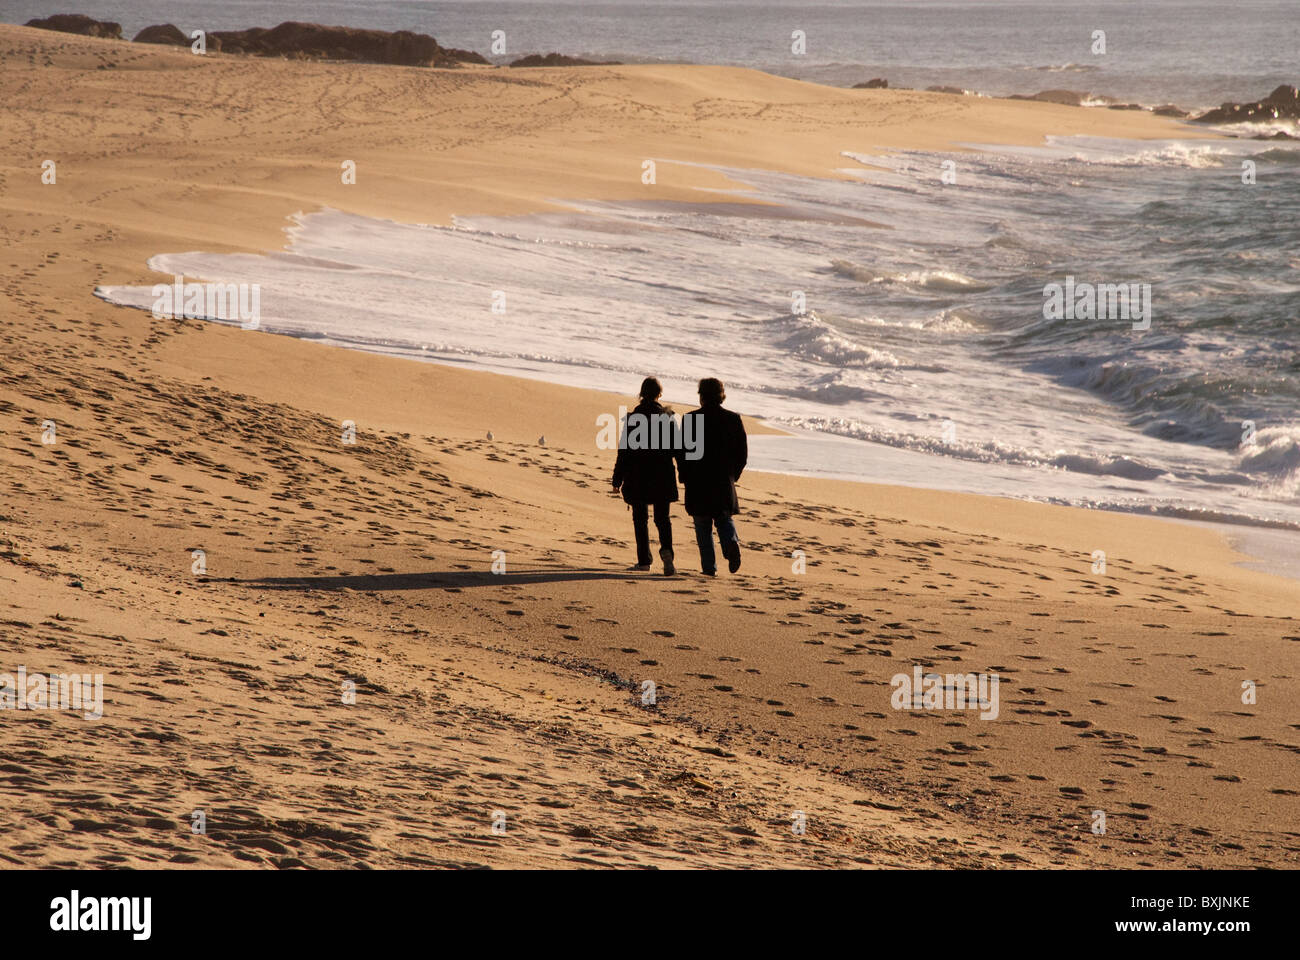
(438, 580)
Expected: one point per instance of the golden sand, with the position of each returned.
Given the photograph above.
(520, 694)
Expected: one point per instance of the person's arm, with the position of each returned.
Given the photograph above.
(741, 453)
(620, 461)
(679, 444)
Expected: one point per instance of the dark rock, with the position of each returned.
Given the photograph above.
(559, 60)
(942, 89)
(1282, 104)
(450, 56)
(1127, 106)
(162, 33)
(1169, 110)
(311, 41)
(876, 83)
(80, 24)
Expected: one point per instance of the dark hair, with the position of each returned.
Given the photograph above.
(651, 389)
(711, 390)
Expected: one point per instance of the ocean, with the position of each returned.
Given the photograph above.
(895, 323)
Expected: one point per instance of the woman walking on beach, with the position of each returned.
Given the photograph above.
(647, 447)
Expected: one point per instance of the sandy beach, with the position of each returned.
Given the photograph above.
(516, 698)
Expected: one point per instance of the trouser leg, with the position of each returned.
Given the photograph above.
(727, 535)
(730, 542)
(641, 527)
(664, 524)
(704, 538)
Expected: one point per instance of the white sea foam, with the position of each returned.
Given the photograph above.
(1162, 153)
(949, 280)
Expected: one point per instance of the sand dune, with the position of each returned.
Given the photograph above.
(481, 694)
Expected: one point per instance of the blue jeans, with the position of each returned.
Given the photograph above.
(641, 528)
(704, 537)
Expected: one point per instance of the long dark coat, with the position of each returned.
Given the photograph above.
(711, 480)
(646, 451)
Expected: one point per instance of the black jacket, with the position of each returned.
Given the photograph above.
(711, 480)
(648, 442)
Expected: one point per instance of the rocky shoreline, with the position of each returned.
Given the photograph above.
(307, 41)
(1283, 105)
(311, 41)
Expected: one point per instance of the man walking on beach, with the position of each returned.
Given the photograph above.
(711, 479)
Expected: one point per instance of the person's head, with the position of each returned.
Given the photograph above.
(651, 389)
(711, 392)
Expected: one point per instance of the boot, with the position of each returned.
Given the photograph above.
(666, 555)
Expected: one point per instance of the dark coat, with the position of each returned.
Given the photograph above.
(646, 451)
(711, 480)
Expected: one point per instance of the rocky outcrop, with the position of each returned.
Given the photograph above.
(559, 60)
(162, 33)
(1282, 104)
(79, 23)
(451, 57)
(1170, 110)
(311, 41)
(301, 41)
(876, 83)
